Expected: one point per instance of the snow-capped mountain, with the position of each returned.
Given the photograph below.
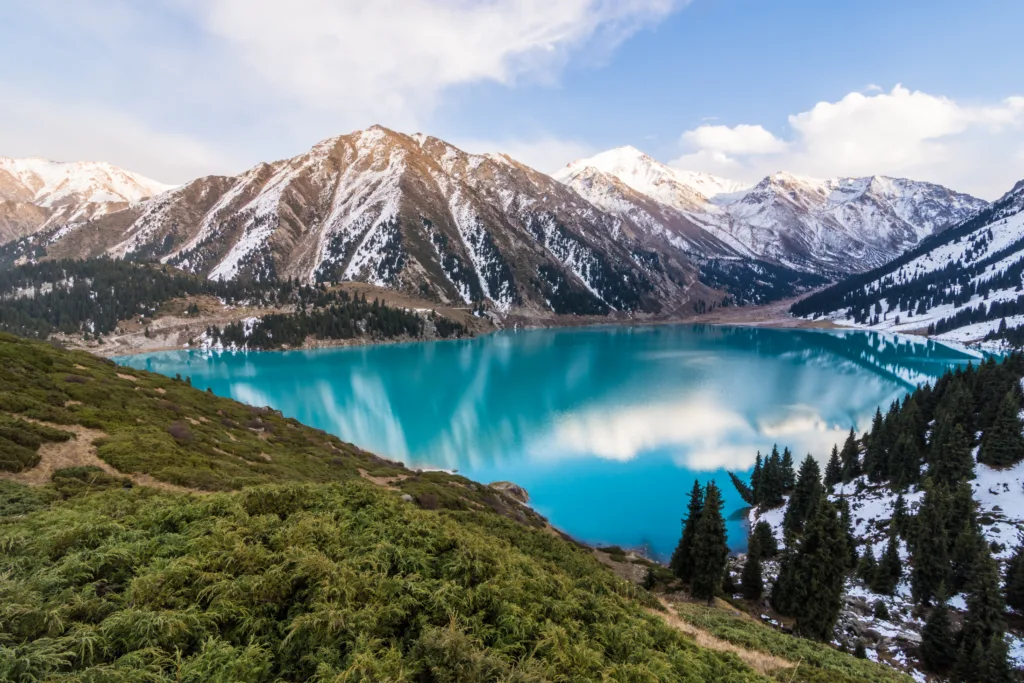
(38, 193)
(839, 225)
(959, 285)
(409, 212)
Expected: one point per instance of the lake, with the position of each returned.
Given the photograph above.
(606, 428)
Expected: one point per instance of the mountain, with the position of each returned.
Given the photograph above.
(412, 213)
(960, 285)
(39, 193)
(153, 531)
(839, 225)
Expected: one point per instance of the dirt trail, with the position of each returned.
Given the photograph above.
(79, 452)
(759, 661)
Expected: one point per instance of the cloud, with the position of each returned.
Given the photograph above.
(902, 133)
(63, 131)
(391, 59)
(261, 79)
(546, 153)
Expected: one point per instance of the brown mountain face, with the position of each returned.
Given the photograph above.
(407, 212)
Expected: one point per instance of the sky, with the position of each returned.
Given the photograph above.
(175, 89)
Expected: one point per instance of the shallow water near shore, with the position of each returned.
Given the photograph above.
(606, 428)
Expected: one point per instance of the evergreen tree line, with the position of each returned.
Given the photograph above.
(756, 282)
(981, 313)
(926, 441)
(348, 318)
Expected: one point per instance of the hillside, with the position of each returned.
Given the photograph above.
(836, 225)
(155, 532)
(962, 285)
(36, 194)
(933, 498)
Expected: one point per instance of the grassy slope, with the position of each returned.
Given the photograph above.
(309, 572)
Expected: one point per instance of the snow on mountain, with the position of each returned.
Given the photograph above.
(958, 286)
(37, 193)
(408, 212)
(837, 225)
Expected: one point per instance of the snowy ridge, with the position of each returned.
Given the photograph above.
(823, 226)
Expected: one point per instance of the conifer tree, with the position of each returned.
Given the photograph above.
(762, 541)
(850, 457)
(930, 551)
(834, 469)
(968, 546)
(899, 516)
(1015, 577)
(982, 656)
(820, 569)
(752, 579)
(681, 562)
(755, 480)
(905, 461)
(846, 520)
(875, 457)
(806, 496)
(938, 642)
(868, 566)
(889, 570)
(950, 461)
(1003, 444)
(788, 473)
(710, 550)
(772, 481)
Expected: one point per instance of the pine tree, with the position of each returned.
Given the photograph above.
(950, 461)
(867, 568)
(806, 496)
(846, 520)
(889, 570)
(710, 550)
(751, 578)
(850, 456)
(772, 481)
(762, 541)
(834, 469)
(788, 473)
(1003, 444)
(930, 551)
(938, 644)
(982, 656)
(755, 480)
(1015, 577)
(681, 562)
(905, 461)
(899, 516)
(820, 570)
(969, 545)
(875, 458)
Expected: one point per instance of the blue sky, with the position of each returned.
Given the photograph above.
(179, 88)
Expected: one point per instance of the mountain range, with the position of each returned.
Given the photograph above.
(962, 285)
(616, 232)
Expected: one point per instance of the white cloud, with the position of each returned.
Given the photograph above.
(546, 153)
(262, 79)
(902, 132)
(63, 131)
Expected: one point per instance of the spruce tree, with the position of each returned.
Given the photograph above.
(867, 568)
(772, 481)
(681, 562)
(850, 457)
(930, 550)
(819, 573)
(1015, 577)
(890, 569)
(755, 480)
(762, 541)
(1003, 444)
(710, 549)
(938, 642)
(876, 457)
(950, 461)
(788, 473)
(751, 578)
(969, 545)
(806, 496)
(905, 461)
(834, 469)
(982, 656)
(846, 520)
(899, 516)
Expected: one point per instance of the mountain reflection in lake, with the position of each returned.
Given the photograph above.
(605, 427)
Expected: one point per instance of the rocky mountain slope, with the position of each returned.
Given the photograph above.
(962, 285)
(839, 225)
(38, 193)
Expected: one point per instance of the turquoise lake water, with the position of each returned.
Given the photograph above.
(605, 427)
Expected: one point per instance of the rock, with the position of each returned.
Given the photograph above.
(407, 498)
(514, 490)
